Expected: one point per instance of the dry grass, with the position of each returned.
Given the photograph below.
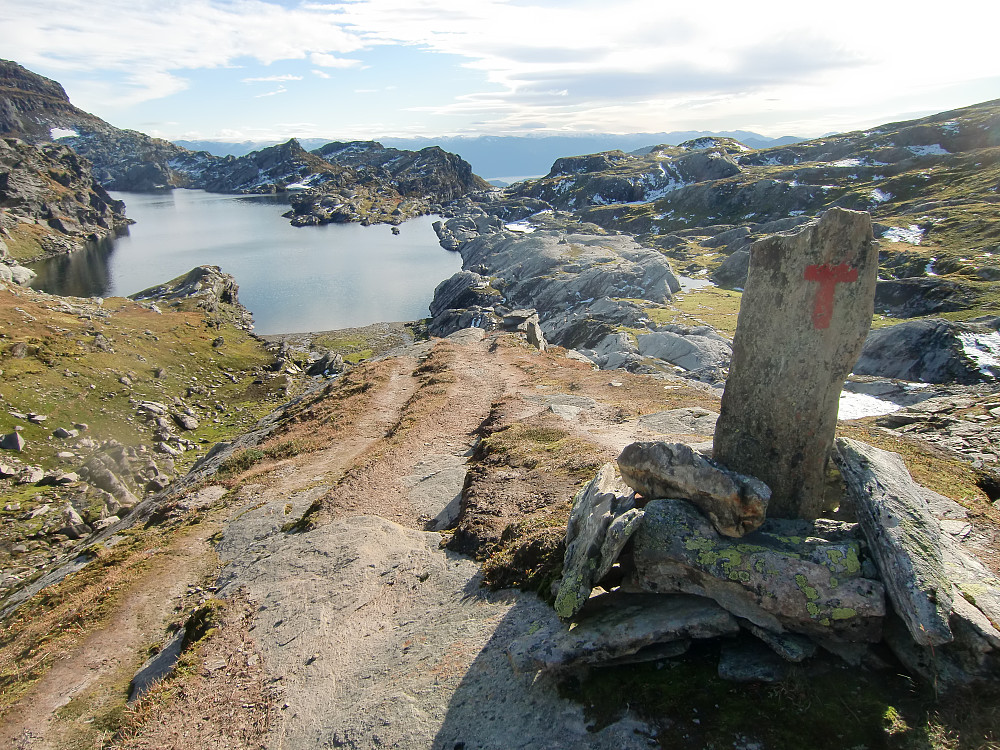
(58, 618)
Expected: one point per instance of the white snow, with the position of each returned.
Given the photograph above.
(912, 234)
(984, 350)
(858, 405)
(881, 196)
(929, 268)
(933, 150)
(306, 183)
(520, 226)
(950, 127)
(62, 133)
(847, 163)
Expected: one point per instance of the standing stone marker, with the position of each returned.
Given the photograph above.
(806, 310)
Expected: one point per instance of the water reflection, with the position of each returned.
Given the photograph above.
(292, 279)
(81, 274)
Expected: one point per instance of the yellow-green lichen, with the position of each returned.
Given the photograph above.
(843, 613)
(803, 584)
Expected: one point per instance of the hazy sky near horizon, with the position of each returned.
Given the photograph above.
(272, 69)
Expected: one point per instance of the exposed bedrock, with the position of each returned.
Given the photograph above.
(583, 286)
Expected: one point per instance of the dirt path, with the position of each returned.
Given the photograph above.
(378, 636)
(368, 633)
(59, 712)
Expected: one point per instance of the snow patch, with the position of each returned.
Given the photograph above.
(521, 226)
(881, 196)
(932, 150)
(853, 162)
(984, 350)
(858, 405)
(911, 234)
(55, 133)
(950, 127)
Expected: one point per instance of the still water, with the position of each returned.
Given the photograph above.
(292, 279)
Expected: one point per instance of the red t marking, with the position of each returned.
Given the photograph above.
(827, 277)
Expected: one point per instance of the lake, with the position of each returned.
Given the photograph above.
(292, 279)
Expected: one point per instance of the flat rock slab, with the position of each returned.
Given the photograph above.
(905, 539)
(800, 583)
(805, 312)
(563, 399)
(435, 487)
(688, 421)
(601, 521)
(382, 639)
(734, 503)
(615, 626)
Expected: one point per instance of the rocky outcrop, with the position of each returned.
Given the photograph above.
(271, 170)
(581, 285)
(430, 173)
(206, 288)
(51, 201)
(577, 182)
(932, 351)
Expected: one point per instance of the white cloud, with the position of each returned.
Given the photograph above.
(279, 90)
(153, 43)
(331, 61)
(572, 64)
(272, 79)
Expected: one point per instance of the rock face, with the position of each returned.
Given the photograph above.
(51, 201)
(734, 503)
(903, 536)
(931, 351)
(803, 321)
(800, 576)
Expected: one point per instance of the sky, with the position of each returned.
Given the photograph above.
(357, 69)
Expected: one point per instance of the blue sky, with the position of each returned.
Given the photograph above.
(272, 69)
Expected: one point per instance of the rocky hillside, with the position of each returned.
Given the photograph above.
(931, 185)
(51, 201)
(37, 109)
(343, 182)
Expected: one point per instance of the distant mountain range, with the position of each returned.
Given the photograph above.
(507, 156)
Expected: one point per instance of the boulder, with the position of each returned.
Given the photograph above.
(616, 627)
(929, 351)
(184, 421)
(735, 504)
(803, 320)
(685, 347)
(804, 577)
(601, 521)
(904, 538)
(13, 441)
